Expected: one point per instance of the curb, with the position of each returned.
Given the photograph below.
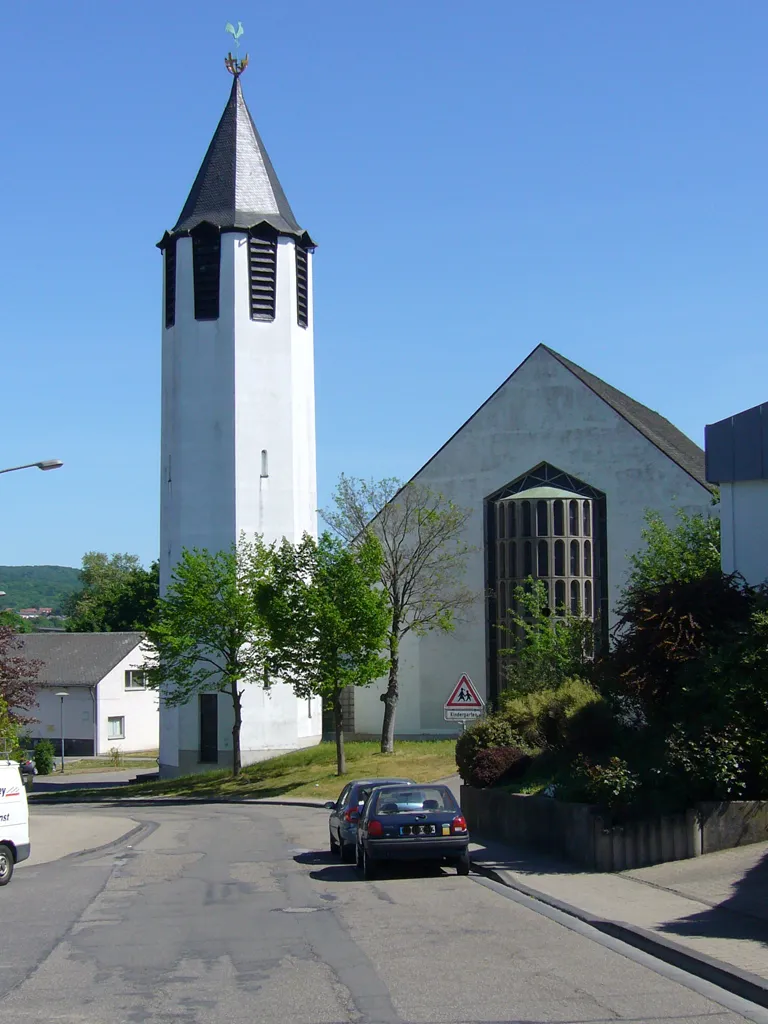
(744, 984)
(53, 799)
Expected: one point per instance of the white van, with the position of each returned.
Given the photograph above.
(14, 820)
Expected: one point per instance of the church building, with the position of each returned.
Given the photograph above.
(557, 468)
(238, 408)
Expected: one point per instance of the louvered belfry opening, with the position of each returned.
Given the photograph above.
(302, 286)
(170, 284)
(262, 275)
(206, 264)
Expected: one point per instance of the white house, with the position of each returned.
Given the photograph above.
(238, 408)
(107, 704)
(557, 468)
(737, 460)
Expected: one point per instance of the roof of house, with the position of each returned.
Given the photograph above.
(77, 659)
(658, 430)
(236, 186)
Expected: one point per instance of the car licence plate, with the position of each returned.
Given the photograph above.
(418, 830)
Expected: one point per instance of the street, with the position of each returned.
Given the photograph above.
(222, 913)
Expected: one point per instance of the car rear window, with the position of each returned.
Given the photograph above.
(361, 793)
(412, 799)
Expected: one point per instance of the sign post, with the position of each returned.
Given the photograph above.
(464, 703)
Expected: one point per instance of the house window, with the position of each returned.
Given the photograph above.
(302, 286)
(135, 680)
(262, 276)
(206, 266)
(170, 284)
(116, 728)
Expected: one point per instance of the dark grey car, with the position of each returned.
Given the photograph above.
(345, 812)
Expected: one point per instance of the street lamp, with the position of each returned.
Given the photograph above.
(45, 465)
(62, 694)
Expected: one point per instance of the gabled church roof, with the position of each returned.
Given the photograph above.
(236, 186)
(659, 431)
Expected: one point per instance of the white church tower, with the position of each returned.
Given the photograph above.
(238, 408)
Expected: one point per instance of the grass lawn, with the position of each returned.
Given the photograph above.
(101, 764)
(308, 773)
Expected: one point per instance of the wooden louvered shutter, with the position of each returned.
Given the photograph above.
(262, 276)
(206, 264)
(302, 286)
(170, 284)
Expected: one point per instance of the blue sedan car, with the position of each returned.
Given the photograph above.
(345, 813)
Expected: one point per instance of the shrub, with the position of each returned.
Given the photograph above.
(543, 718)
(611, 785)
(492, 731)
(44, 757)
(498, 764)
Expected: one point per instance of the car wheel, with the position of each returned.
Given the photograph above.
(462, 864)
(334, 846)
(6, 864)
(348, 853)
(369, 869)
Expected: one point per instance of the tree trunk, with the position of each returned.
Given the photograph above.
(338, 721)
(236, 760)
(390, 697)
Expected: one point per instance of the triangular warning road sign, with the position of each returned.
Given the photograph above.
(464, 695)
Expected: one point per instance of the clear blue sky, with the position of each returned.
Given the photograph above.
(479, 178)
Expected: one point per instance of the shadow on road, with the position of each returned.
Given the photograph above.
(331, 869)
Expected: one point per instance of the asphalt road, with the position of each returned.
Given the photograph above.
(238, 915)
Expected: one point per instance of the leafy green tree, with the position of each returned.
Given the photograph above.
(424, 560)
(208, 633)
(9, 738)
(328, 620)
(118, 594)
(15, 622)
(675, 554)
(545, 649)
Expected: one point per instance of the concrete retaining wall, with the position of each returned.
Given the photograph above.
(735, 823)
(578, 832)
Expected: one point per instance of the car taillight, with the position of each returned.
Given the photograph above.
(375, 828)
(351, 816)
(458, 824)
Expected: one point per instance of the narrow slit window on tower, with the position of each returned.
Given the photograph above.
(206, 265)
(264, 463)
(262, 277)
(170, 284)
(302, 286)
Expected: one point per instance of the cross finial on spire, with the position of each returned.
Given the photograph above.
(235, 65)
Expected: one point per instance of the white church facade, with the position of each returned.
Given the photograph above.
(238, 409)
(557, 468)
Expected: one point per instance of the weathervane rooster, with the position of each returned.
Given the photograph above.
(235, 66)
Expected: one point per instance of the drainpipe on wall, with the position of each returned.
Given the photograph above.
(92, 691)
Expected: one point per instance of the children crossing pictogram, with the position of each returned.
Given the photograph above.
(464, 701)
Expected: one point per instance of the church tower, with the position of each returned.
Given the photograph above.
(238, 407)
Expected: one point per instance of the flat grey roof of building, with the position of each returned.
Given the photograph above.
(77, 659)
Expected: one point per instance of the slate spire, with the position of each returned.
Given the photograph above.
(236, 186)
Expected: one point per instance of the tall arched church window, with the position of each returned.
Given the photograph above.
(511, 519)
(559, 558)
(587, 557)
(527, 559)
(542, 528)
(575, 598)
(526, 512)
(558, 516)
(543, 559)
(573, 518)
(560, 596)
(575, 567)
(587, 519)
(502, 521)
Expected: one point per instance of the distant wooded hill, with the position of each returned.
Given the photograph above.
(37, 586)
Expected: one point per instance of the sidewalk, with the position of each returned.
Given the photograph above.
(53, 835)
(87, 780)
(715, 906)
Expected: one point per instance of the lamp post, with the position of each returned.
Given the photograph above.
(62, 694)
(45, 465)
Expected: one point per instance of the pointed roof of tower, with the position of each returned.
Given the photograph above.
(236, 186)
